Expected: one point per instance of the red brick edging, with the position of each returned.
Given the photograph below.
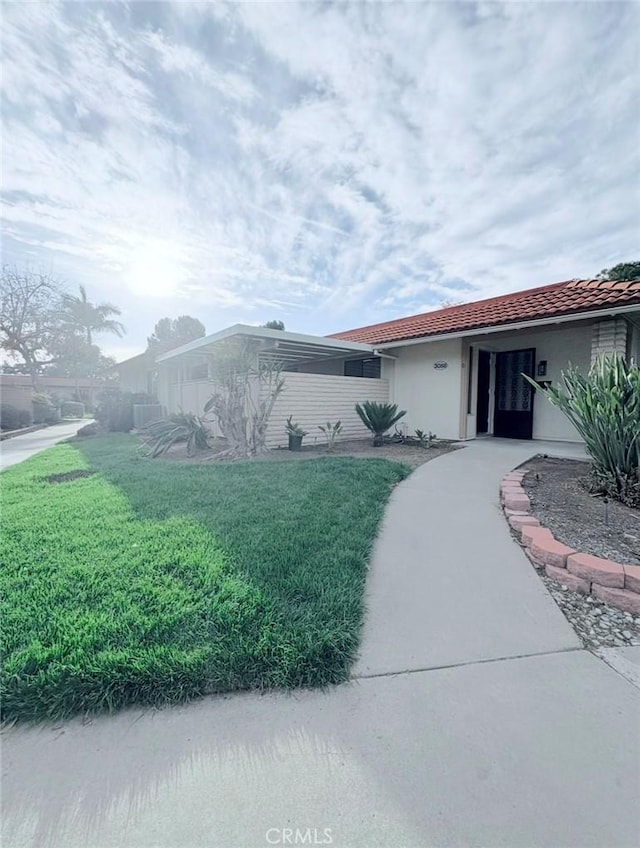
(611, 582)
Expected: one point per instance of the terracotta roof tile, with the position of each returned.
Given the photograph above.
(569, 297)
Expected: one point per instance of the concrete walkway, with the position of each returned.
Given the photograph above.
(448, 585)
(19, 448)
(523, 740)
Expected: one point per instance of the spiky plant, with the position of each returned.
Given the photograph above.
(331, 432)
(182, 427)
(379, 417)
(604, 407)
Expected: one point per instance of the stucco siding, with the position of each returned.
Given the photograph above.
(429, 392)
(560, 347)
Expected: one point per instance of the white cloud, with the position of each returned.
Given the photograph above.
(336, 164)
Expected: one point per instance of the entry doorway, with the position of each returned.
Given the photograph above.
(514, 396)
(484, 392)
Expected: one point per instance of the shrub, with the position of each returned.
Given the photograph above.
(292, 428)
(115, 408)
(52, 415)
(42, 405)
(9, 417)
(425, 440)
(88, 430)
(183, 427)
(72, 409)
(605, 409)
(379, 417)
(26, 417)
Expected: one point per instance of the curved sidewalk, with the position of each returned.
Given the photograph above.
(19, 448)
(447, 584)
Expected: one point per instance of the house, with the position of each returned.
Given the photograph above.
(457, 371)
(17, 389)
(137, 374)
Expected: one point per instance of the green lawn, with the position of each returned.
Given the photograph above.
(151, 581)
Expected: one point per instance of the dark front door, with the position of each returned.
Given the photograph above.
(514, 396)
(484, 381)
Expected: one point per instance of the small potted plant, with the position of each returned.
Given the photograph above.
(296, 434)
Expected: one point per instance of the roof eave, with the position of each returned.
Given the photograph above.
(246, 330)
(515, 325)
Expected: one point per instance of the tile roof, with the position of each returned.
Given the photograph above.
(567, 298)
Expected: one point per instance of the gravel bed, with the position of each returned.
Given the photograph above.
(598, 625)
(561, 501)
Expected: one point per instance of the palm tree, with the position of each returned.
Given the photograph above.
(91, 318)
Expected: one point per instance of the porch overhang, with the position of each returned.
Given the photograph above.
(288, 348)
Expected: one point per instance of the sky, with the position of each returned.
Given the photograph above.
(327, 164)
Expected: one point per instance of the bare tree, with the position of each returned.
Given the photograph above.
(246, 389)
(29, 316)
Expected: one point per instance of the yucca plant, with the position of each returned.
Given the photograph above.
(604, 407)
(379, 417)
(183, 427)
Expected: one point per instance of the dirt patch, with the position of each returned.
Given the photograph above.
(68, 476)
(410, 455)
(561, 501)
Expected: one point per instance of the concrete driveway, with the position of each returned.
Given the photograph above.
(18, 448)
(474, 718)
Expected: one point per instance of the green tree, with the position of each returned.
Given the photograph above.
(73, 357)
(170, 333)
(274, 325)
(622, 272)
(88, 318)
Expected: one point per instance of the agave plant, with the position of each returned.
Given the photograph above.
(604, 407)
(183, 427)
(379, 417)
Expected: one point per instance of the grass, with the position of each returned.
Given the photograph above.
(149, 582)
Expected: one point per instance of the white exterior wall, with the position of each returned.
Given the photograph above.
(430, 395)
(313, 399)
(184, 396)
(560, 346)
(133, 377)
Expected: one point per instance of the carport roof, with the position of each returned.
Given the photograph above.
(276, 344)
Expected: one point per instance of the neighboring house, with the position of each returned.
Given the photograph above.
(17, 389)
(457, 371)
(137, 374)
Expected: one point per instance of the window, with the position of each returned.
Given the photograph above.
(200, 371)
(362, 368)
